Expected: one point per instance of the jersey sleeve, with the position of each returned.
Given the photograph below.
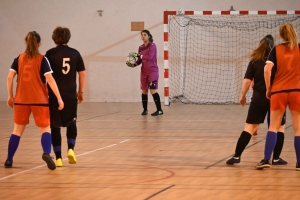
(272, 56)
(14, 65)
(249, 72)
(80, 65)
(139, 60)
(45, 67)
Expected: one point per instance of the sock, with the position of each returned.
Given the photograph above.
(270, 144)
(145, 101)
(46, 141)
(268, 118)
(156, 99)
(56, 142)
(242, 143)
(13, 146)
(297, 147)
(71, 136)
(278, 146)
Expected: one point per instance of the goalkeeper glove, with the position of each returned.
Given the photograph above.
(135, 54)
(130, 65)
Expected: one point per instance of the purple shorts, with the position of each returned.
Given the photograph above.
(148, 78)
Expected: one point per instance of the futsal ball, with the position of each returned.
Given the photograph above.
(131, 59)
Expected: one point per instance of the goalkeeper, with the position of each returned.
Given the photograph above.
(149, 72)
(259, 105)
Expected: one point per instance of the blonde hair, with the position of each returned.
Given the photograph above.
(263, 49)
(32, 44)
(288, 34)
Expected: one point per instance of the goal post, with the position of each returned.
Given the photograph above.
(206, 53)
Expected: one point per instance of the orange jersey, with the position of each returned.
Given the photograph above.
(31, 85)
(287, 64)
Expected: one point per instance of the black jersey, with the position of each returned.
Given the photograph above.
(65, 63)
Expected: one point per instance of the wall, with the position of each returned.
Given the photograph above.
(103, 41)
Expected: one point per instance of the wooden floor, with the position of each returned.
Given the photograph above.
(123, 155)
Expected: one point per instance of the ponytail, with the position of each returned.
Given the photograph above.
(288, 34)
(32, 44)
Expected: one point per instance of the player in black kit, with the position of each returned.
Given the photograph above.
(66, 62)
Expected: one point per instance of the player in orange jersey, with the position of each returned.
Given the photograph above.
(33, 71)
(284, 91)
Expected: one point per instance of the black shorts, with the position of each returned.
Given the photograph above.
(64, 117)
(257, 113)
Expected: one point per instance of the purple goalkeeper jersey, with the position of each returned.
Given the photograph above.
(148, 60)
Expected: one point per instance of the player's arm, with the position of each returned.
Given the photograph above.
(267, 76)
(10, 78)
(81, 77)
(245, 88)
(55, 90)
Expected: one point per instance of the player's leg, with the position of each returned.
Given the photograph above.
(21, 119)
(276, 160)
(41, 116)
(294, 98)
(55, 121)
(153, 86)
(256, 115)
(144, 88)
(71, 138)
(278, 106)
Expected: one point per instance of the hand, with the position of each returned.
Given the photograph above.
(80, 97)
(243, 100)
(60, 104)
(10, 102)
(268, 94)
(135, 54)
(130, 65)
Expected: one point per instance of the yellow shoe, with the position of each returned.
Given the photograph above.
(59, 162)
(71, 157)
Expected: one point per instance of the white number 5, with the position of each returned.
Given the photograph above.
(66, 65)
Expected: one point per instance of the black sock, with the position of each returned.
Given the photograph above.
(145, 101)
(279, 145)
(156, 99)
(71, 135)
(56, 142)
(242, 143)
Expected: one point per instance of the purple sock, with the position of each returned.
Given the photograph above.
(297, 147)
(270, 144)
(46, 141)
(13, 146)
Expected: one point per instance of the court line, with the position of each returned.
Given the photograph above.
(21, 172)
(153, 195)
(97, 116)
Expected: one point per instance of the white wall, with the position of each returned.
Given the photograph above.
(103, 41)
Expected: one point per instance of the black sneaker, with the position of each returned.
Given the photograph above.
(279, 161)
(263, 164)
(8, 164)
(145, 112)
(50, 163)
(158, 112)
(233, 160)
(297, 166)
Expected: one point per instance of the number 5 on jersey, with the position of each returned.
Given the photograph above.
(66, 66)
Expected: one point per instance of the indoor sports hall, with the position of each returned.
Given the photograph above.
(203, 50)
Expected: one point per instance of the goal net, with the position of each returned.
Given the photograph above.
(209, 54)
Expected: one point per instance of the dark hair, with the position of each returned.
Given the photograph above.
(263, 49)
(61, 35)
(32, 40)
(149, 34)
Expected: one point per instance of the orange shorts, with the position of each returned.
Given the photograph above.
(279, 101)
(41, 115)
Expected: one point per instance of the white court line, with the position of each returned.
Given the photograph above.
(21, 172)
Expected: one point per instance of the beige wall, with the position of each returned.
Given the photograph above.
(103, 41)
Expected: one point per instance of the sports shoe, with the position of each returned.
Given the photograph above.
(71, 156)
(145, 112)
(158, 112)
(50, 163)
(59, 162)
(297, 166)
(263, 164)
(8, 163)
(279, 161)
(233, 160)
